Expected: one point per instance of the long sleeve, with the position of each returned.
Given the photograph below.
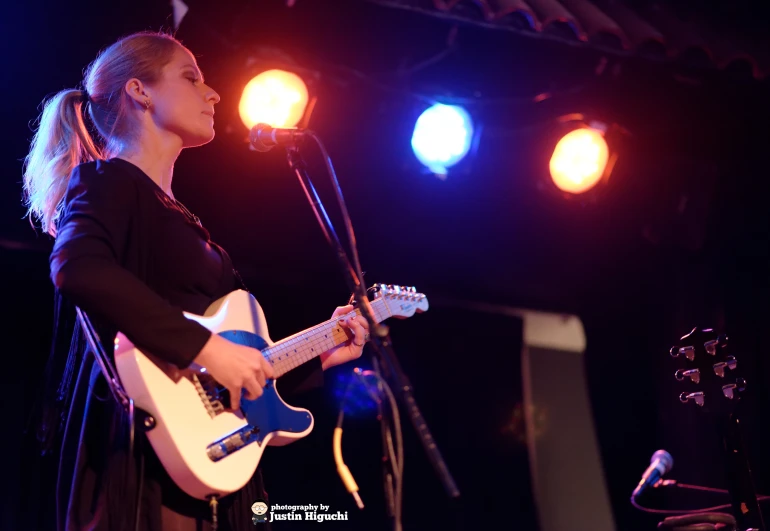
(97, 228)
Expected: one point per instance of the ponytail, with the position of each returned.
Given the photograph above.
(61, 142)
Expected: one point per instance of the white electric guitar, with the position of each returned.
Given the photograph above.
(210, 450)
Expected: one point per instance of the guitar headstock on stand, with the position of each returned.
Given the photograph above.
(708, 372)
(712, 382)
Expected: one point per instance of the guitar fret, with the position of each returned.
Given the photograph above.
(292, 353)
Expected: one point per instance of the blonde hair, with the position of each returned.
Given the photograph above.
(62, 140)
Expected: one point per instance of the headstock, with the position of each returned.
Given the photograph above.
(401, 301)
(708, 372)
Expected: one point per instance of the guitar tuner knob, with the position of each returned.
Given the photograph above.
(693, 374)
(697, 397)
(722, 340)
(730, 389)
(711, 346)
(719, 368)
(689, 352)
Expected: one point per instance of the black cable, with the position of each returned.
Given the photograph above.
(704, 519)
(398, 458)
(673, 483)
(699, 522)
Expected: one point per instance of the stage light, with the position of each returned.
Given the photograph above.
(274, 97)
(579, 160)
(442, 137)
(358, 399)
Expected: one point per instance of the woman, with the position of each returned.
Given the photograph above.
(133, 259)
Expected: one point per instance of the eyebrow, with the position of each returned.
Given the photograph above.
(198, 72)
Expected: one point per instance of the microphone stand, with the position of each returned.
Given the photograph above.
(388, 471)
(380, 337)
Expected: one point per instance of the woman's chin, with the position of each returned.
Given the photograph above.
(199, 139)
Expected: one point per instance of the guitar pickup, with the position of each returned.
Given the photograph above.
(693, 374)
(232, 442)
(719, 368)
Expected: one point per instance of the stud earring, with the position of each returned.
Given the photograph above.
(147, 104)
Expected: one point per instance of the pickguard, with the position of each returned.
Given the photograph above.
(269, 412)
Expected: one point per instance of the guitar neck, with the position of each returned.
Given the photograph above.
(744, 499)
(302, 347)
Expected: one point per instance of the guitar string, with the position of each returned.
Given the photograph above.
(314, 332)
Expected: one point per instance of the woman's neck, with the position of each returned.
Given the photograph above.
(155, 160)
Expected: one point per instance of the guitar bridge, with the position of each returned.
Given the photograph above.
(232, 442)
(208, 396)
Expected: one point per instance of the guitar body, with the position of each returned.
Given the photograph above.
(206, 448)
(187, 424)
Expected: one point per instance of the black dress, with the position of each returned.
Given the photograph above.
(132, 260)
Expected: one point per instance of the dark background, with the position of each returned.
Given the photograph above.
(677, 239)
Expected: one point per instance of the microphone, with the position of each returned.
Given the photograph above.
(660, 464)
(262, 137)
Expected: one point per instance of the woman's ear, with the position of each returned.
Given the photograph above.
(137, 91)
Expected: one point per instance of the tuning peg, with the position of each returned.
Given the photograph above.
(722, 339)
(693, 374)
(719, 368)
(711, 346)
(729, 389)
(696, 396)
(688, 351)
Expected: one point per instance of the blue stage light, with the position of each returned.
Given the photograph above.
(442, 137)
(357, 398)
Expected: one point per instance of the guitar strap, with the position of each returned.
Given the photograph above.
(120, 395)
(108, 370)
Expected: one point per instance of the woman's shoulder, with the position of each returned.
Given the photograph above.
(109, 172)
(116, 179)
(112, 182)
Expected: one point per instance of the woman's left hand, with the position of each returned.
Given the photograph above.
(357, 329)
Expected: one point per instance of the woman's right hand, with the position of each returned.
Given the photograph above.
(236, 367)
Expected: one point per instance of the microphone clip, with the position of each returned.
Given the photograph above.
(263, 137)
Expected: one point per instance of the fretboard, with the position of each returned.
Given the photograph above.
(300, 348)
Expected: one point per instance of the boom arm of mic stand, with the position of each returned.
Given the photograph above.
(298, 166)
(380, 338)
